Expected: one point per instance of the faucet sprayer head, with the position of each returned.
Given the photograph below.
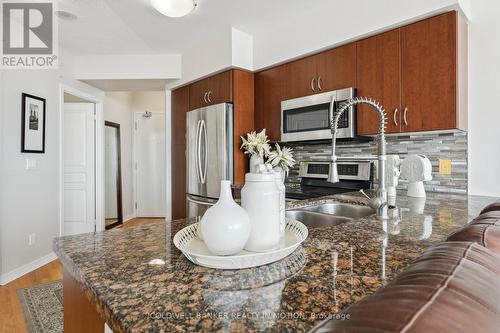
(333, 175)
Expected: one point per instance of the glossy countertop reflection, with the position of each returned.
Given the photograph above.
(139, 281)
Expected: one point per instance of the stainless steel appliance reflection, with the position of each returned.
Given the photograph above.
(209, 155)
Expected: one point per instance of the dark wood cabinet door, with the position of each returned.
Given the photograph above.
(220, 88)
(300, 77)
(379, 77)
(269, 92)
(197, 94)
(336, 68)
(180, 106)
(429, 73)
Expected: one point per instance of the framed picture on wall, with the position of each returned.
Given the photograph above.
(33, 124)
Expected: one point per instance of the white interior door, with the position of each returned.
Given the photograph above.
(150, 165)
(79, 168)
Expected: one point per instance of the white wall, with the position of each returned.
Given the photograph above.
(336, 22)
(484, 114)
(119, 107)
(29, 200)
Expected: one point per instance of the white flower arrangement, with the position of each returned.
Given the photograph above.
(256, 144)
(283, 158)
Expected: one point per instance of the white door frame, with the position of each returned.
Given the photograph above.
(135, 116)
(99, 154)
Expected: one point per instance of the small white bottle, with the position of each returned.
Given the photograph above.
(260, 198)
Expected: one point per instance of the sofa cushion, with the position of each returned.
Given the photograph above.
(493, 207)
(484, 230)
(452, 287)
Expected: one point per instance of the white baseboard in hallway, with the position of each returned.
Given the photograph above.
(25, 269)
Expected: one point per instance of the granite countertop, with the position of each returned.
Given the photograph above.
(335, 267)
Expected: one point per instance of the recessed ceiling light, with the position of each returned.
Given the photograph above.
(174, 8)
(64, 15)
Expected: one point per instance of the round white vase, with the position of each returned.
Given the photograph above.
(255, 161)
(225, 226)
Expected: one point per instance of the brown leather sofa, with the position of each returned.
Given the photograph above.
(484, 230)
(452, 287)
(494, 207)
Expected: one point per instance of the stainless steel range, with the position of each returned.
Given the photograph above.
(353, 176)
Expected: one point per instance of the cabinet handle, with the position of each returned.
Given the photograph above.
(394, 118)
(205, 97)
(405, 119)
(208, 96)
(320, 83)
(313, 81)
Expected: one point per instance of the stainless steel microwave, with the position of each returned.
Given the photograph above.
(308, 118)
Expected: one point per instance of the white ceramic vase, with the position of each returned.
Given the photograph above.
(225, 226)
(255, 161)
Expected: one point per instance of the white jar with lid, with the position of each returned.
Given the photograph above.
(260, 197)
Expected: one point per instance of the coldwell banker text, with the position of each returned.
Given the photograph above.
(29, 35)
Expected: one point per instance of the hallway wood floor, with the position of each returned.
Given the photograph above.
(11, 315)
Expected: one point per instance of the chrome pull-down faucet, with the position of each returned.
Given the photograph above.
(380, 201)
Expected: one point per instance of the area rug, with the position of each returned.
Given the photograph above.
(42, 306)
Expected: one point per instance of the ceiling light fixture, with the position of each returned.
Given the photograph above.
(174, 8)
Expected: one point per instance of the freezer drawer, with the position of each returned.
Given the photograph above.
(197, 206)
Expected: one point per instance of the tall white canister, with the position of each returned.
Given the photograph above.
(260, 197)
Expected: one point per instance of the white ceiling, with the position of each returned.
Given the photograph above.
(134, 27)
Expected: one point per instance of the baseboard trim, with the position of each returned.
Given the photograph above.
(128, 218)
(25, 269)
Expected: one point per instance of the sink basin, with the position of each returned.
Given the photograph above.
(314, 219)
(342, 210)
(330, 214)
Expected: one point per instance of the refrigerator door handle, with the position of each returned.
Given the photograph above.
(199, 202)
(205, 150)
(198, 152)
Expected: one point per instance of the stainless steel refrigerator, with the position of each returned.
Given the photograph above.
(209, 154)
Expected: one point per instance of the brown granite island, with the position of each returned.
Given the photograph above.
(135, 280)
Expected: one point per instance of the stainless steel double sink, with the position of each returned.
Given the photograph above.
(329, 214)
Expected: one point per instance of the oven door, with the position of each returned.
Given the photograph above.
(308, 118)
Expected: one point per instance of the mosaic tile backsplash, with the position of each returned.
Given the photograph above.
(436, 146)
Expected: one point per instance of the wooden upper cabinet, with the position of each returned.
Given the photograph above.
(379, 77)
(197, 94)
(300, 77)
(429, 74)
(336, 68)
(213, 90)
(269, 92)
(220, 88)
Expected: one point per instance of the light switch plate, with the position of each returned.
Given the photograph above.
(30, 163)
(445, 167)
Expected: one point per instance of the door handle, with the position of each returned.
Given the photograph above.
(313, 82)
(199, 202)
(208, 96)
(198, 151)
(205, 97)
(394, 118)
(320, 83)
(405, 119)
(203, 129)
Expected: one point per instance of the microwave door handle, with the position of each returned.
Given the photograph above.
(332, 112)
